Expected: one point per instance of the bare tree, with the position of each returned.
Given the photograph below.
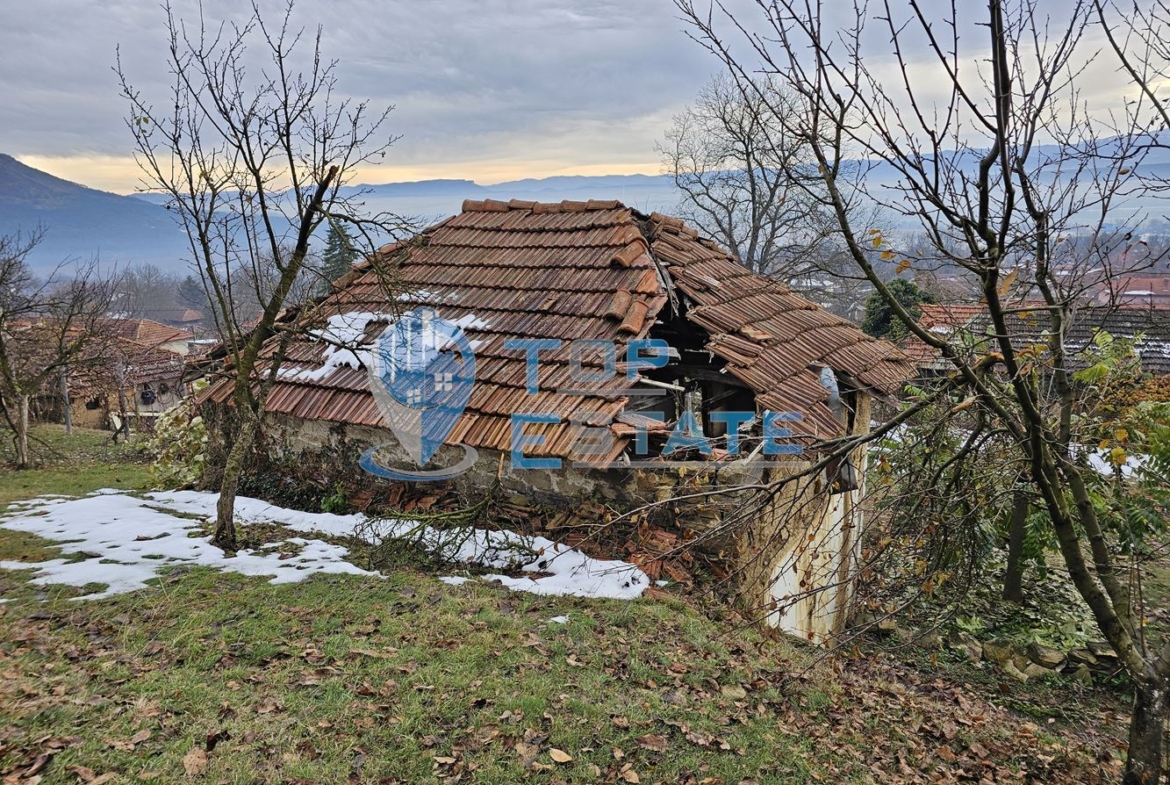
(253, 157)
(146, 292)
(735, 165)
(46, 328)
(992, 152)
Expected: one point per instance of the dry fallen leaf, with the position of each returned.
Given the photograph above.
(734, 692)
(653, 742)
(268, 705)
(195, 762)
(84, 773)
(377, 655)
(560, 756)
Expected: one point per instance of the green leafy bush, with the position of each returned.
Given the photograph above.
(335, 501)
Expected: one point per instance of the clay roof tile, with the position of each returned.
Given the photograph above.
(588, 270)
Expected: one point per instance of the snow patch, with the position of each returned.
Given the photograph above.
(554, 569)
(346, 329)
(454, 580)
(127, 541)
(344, 334)
(131, 538)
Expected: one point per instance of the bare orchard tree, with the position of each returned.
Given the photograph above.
(974, 112)
(146, 292)
(47, 327)
(253, 154)
(736, 166)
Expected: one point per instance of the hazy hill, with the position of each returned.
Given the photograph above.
(83, 222)
(433, 199)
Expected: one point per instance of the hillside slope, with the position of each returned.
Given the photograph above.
(83, 222)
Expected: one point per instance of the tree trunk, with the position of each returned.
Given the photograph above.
(225, 508)
(1143, 765)
(123, 405)
(66, 404)
(21, 440)
(1013, 579)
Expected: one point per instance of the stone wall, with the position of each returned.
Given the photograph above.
(289, 437)
(744, 534)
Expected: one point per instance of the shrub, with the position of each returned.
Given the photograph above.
(178, 446)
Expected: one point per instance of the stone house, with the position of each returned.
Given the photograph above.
(579, 277)
(136, 371)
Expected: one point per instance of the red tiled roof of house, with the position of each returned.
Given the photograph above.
(148, 332)
(592, 270)
(947, 315)
(1027, 323)
(940, 318)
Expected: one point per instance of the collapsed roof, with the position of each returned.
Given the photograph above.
(581, 270)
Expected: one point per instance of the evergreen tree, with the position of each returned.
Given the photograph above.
(192, 294)
(879, 321)
(340, 254)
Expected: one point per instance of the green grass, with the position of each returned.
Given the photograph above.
(406, 680)
(71, 465)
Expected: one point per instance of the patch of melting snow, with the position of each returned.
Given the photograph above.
(128, 540)
(454, 580)
(570, 572)
(131, 538)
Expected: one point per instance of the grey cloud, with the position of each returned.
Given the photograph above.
(536, 77)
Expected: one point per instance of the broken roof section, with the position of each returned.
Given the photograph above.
(581, 270)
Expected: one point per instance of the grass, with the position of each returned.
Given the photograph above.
(71, 465)
(408, 680)
(220, 678)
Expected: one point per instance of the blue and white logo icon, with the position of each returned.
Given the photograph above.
(421, 375)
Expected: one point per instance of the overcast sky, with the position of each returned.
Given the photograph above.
(488, 90)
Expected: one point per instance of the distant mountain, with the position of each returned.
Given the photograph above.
(82, 222)
(429, 200)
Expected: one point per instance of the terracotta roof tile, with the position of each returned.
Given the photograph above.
(148, 332)
(573, 270)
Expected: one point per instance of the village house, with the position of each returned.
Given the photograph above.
(154, 335)
(967, 325)
(135, 373)
(1150, 290)
(510, 272)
